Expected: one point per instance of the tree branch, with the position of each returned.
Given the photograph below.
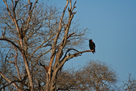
(66, 36)
(11, 42)
(16, 64)
(71, 56)
(68, 51)
(10, 82)
(8, 9)
(56, 38)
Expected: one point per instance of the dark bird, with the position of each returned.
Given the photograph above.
(92, 45)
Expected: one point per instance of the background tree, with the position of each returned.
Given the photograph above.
(34, 34)
(130, 85)
(94, 76)
(100, 76)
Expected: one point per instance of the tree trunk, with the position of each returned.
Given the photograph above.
(28, 72)
(51, 81)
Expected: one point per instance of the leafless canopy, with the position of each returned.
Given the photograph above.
(94, 76)
(34, 34)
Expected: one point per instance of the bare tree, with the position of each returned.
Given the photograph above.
(97, 76)
(130, 85)
(57, 59)
(100, 76)
(35, 34)
(94, 76)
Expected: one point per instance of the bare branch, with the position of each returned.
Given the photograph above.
(8, 10)
(10, 82)
(71, 56)
(70, 4)
(74, 5)
(70, 35)
(13, 18)
(40, 46)
(16, 64)
(65, 37)
(60, 26)
(15, 6)
(76, 54)
(11, 42)
(39, 58)
(3, 33)
(70, 50)
(56, 38)
(29, 1)
(44, 66)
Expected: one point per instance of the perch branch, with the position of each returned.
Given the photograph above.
(71, 56)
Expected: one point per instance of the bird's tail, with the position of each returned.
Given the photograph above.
(93, 51)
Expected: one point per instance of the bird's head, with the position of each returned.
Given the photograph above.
(90, 40)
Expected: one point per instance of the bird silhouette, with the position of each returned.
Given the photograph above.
(92, 45)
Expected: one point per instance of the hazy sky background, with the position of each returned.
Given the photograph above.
(112, 26)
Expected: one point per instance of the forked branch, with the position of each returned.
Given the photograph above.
(66, 57)
(10, 82)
